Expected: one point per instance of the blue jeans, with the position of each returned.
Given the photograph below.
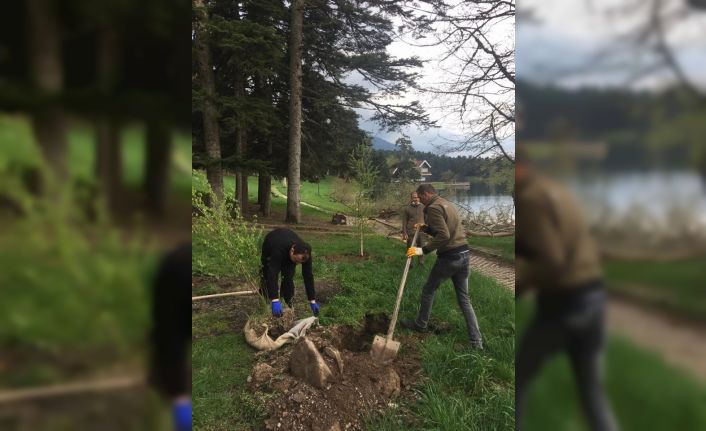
(457, 269)
(570, 322)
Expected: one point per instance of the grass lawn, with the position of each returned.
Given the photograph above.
(503, 245)
(678, 285)
(53, 289)
(646, 393)
(464, 390)
(17, 145)
(278, 203)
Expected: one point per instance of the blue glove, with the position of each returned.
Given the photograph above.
(314, 308)
(276, 308)
(181, 413)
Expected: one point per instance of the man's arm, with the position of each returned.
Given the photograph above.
(437, 226)
(308, 274)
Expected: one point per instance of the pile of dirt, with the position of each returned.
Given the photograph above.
(355, 387)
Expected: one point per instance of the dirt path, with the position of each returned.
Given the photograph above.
(681, 344)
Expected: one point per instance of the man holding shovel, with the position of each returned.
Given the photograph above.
(411, 215)
(443, 224)
(282, 250)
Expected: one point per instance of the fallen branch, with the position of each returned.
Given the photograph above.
(218, 295)
(64, 389)
(384, 223)
(489, 234)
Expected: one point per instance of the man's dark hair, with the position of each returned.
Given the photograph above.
(426, 188)
(302, 248)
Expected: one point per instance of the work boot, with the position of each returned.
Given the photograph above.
(411, 324)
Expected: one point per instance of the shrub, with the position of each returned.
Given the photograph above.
(223, 243)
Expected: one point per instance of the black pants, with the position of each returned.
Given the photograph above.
(286, 286)
(571, 322)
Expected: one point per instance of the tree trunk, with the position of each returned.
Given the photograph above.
(361, 242)
(214, 171)
(108, 155)
(109, 161)
(265, 194)
(295, 112)
(157, 166)
(44, 51)
(263, 90)
(241, 180)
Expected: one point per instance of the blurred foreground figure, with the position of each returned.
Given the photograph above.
(170, 371)
(557, 257)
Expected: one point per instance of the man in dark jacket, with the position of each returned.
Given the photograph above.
(449, 240)
(282, 250)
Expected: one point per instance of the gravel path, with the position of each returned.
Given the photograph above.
(501, 271)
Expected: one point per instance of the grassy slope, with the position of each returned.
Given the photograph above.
(465, 391)
(676, 285)
(278, 203)
(645, 392)
(17, 145)
(504, 246)
(55, 279)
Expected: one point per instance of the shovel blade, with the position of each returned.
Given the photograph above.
(384, 351)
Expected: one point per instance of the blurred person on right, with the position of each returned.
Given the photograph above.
(556, 257)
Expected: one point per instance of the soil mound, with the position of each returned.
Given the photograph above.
(354, 387)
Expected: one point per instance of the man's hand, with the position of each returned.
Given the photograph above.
(419, 226)
(314, 308)
(414, 251)
(276, 308)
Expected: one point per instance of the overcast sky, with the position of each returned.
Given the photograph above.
(450, 126)
(580, 43)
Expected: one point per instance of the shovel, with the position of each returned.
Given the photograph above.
(384, 348)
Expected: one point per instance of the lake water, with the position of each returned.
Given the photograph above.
(478, 202)
(656, 193)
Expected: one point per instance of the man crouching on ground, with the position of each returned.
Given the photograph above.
(282, 250)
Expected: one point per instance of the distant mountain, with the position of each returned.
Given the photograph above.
(381, 144)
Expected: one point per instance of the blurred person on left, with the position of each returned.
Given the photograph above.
(170, 370)
(556, 256)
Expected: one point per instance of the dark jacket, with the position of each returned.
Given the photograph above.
(444, 225)
(275, 259)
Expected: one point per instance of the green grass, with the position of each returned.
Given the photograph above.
(503, 246)
(320, 195)
(221, 365)
(79, 301)
(645, 392)
(17, 145)
(464, 389)
(279, 204)
(678, 285)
